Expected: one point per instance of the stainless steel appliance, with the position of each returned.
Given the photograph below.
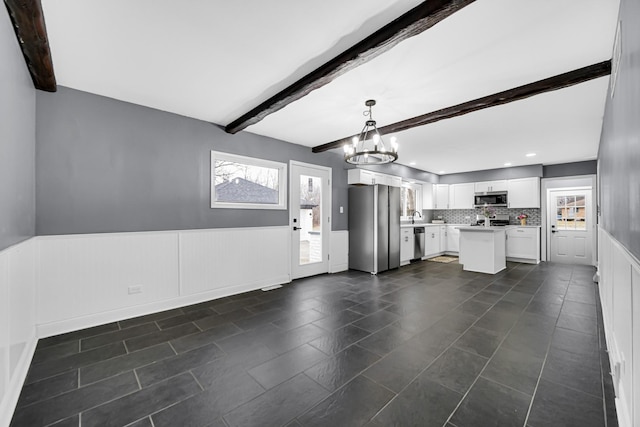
(374, 228)
(490, 198)
(418, 242)
(496, 220)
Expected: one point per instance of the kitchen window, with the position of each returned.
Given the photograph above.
(410, 199)
(241, 182)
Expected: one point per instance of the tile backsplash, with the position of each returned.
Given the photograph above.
(458, 216)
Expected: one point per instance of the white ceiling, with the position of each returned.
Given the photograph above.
(214, 60)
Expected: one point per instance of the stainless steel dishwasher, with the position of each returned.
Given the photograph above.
(418, 242)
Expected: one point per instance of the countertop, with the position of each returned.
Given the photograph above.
(427, 224)
(503, 227)
(482, 228)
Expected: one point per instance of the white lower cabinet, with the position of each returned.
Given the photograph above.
(523, 244)
(443, 238)
(432, 241)
(406, 245)
(453, 239)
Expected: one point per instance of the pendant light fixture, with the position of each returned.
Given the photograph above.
(357, 152)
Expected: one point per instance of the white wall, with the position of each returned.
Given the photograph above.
(620, 295)
(17, 322)
(86, 280)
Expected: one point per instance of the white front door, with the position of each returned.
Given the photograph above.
(571, 226)
(310, 219)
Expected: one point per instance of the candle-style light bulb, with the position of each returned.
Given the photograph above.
(394, 144)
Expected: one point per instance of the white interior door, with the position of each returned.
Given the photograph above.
(310, 219)
(571, 223)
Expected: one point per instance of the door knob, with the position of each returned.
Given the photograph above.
(553, 231)
(297, 228)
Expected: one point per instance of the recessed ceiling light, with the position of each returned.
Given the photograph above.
(507, 164)
(412, 163)
(531, 154)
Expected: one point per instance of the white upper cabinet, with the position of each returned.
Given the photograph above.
(394, 181)
(524, 193)
(485, 186)
(427, 195)
(461, 196)
(365, 177)
(359, 176)
(441, 196)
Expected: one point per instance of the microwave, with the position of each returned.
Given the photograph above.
(491, 198)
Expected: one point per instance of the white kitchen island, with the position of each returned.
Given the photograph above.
(482, 249)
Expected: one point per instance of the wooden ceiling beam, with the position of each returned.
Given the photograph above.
(420, 18)
(521, 92)
(28, 23)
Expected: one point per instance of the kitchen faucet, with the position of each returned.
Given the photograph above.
(413, 217)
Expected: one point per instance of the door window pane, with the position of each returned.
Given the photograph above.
(571, 212)
(310, 219)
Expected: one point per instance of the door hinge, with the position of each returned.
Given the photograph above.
(328, 219)
(328, 257)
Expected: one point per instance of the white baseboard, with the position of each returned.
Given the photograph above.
(523, 260)
(68, 325)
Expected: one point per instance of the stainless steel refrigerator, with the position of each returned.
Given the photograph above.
(374, 228)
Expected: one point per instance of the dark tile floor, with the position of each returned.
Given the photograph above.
(425, 345)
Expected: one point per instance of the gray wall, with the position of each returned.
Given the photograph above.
(550, 171)
(107, 166)
(570, 169)
(492, 174)
(619, 154)
(17, 140)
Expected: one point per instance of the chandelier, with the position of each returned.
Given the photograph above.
(357, 154)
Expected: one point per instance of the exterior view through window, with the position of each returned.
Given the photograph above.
(571, 213)
(245, 182)
(310, 219)
(410, 199)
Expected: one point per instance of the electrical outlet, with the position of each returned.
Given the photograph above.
(341, 209)
(467, 217)
(136, 289)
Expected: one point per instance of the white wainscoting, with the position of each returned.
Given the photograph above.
(339, 259)
(17, 322)
(85, 280)
(233, 260)
(620, 295)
